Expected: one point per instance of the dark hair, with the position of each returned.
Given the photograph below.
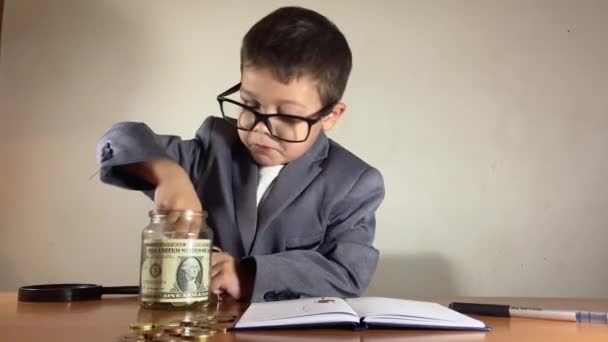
(293, 42)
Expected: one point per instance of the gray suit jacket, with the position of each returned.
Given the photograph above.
(311, 236)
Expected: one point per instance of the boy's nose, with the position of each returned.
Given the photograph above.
(261, 127)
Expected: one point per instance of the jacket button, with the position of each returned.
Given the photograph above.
(288, 295)
(106, 152)
(270, 296)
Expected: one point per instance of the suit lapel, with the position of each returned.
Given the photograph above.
(291, 181)
(244, 185)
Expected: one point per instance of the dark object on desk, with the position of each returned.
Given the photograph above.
(481, 309)
(71, 292)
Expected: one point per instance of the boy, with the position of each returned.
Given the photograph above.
(293, 211)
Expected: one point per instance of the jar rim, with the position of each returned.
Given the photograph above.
(182, 212)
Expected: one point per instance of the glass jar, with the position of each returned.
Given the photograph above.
(175, 266)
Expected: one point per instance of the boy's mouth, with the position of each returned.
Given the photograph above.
(262, 148)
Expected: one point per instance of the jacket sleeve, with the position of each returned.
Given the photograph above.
(342, 265)
(132, 142)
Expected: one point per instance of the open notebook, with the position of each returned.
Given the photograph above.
(358, 313)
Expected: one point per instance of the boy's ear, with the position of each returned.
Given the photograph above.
(330, 120)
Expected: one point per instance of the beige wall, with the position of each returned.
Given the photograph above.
(488, 119)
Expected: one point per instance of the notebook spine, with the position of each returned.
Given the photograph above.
(361, 326)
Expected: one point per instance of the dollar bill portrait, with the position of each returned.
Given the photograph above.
(189, 275)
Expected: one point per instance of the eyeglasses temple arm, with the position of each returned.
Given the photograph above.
(234, 89)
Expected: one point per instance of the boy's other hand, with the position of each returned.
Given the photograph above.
(228, 278)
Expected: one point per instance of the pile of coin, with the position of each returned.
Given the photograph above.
(198, 328)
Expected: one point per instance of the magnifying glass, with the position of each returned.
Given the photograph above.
(71, 292)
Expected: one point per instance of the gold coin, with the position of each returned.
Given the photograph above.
(198, 324)
(167, 339)
(189, 323)
(205, 318)
(135, 337)
(196, 334)
(196, 330)
(167, 325)
(203, 324)
(173, 331)
(199, 338)
(153, 334)
(141, 326)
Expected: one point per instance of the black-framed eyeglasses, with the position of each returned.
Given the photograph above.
(285, 127)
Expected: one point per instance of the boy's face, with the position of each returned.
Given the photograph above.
(299, 97)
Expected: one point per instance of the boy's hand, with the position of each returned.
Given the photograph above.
(177, 193)
(173, 191)
(227, 277)
(173, 188)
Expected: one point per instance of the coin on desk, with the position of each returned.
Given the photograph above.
(167, 325)
(173, 331)
(204, 319)
(132, 337)
(167, 339)
(221, 330)
(190, 323)
(138, 327)
(196, 334)
(153, 334)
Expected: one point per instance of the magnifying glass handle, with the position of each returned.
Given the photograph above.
(120, 290)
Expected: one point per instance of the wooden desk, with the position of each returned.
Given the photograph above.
(109, 318)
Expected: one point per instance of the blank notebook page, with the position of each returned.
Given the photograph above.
(410, 310)
(299, 311)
